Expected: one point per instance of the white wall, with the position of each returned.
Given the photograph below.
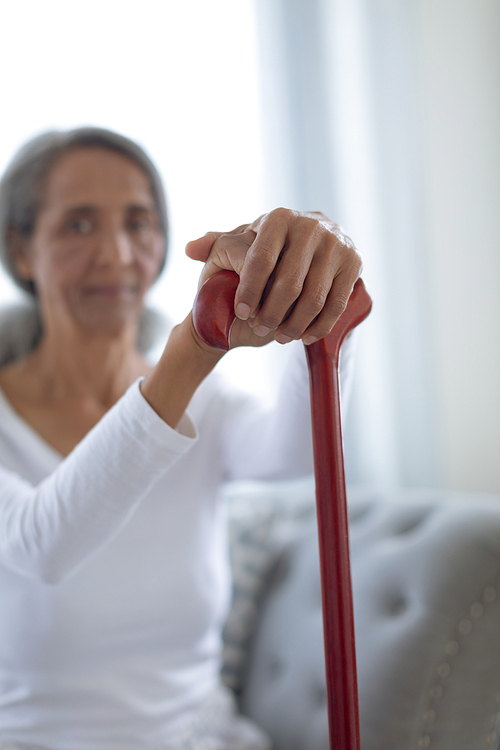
(459, 47)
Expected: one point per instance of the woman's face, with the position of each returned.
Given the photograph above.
(97, 245)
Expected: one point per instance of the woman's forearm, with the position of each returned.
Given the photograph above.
(184, 364)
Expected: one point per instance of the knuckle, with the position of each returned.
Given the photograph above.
(337, 306)
(347, 243)
(281, 218)
(248, 294)
(341, 241)
(248, 236)
(224, 237)
(349, 250)
(317, 299)
(313, 225)
(289, 286)
(270, 320)
(353, 269)
(263, 256)
(222, 243)
(358, 264)
(313, 305)
(345, 253)
(281, 213)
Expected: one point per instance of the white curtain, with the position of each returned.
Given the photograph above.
(341, 137)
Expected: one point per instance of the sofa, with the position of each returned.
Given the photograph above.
(426, 586)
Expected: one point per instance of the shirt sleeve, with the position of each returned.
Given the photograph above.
(277, 443)
(50, 529)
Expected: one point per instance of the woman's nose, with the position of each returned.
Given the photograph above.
(115, 247)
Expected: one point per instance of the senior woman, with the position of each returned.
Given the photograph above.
(113, 567)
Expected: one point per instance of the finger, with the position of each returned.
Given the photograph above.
(260, 262)
(228, 254)
(308, 306)
(325, 292)
(309, 251)
(255, 225)
(335, 305)
(200, 249)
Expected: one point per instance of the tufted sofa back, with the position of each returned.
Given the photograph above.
(426, 579)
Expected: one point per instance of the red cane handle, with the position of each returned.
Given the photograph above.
(213, 315)
(213, 309)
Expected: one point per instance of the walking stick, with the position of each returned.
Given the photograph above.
(213, 316)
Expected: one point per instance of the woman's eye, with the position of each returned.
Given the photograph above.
(139, 225)
(80, 226)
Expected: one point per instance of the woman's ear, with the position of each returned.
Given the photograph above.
(21, 254)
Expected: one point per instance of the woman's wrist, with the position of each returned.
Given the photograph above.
(185, 363)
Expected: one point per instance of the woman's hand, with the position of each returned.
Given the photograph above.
(285, 260)
(296, 270)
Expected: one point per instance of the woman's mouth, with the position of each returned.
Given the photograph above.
(111, 290)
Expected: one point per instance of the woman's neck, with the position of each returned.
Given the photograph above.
(78, 364)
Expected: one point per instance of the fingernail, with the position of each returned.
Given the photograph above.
(282, 339)
(242, 311)
(309, 340)
(261, 330)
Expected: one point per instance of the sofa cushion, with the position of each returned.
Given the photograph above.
(263, 518)
(426, 580)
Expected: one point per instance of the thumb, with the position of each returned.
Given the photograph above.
(200, 249)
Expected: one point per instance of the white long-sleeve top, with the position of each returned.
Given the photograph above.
(114, 576)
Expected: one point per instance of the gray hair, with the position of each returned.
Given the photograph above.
(21, 186)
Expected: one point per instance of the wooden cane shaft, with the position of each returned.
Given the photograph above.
(338, 617)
